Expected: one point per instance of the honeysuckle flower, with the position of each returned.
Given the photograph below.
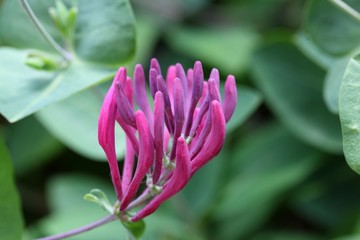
(170, 138)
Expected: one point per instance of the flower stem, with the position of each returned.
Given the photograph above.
(64, 53)
(139, 201)
(347, 9)
(82, 229)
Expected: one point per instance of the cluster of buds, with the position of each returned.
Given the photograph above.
(183, 130)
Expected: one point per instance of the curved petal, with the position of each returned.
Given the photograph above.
(124, 107)
(140, 93)
(179, 114)
(197, 90)
(145, 157)
(180, 177)
(158, 134)
(214, 141)
(106, 133)
(230, 99)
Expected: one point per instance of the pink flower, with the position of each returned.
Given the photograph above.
(171, 141)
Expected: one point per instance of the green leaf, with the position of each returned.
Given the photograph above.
(313, 51)
(106, 36)
(26, 90)
(330, 28)
(333, 80)
(276, 170)
(11, 224)
(136, 229)
(227, 49)
(74, 122)
(349, 102)
(286, 235)
(292, 86)
(18, 31)
(36, 144)
(329, 199)
(247, 102)
(148, 33)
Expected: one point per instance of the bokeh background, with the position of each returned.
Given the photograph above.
(282, 172)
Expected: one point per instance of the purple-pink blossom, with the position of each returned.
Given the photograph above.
(167, 139)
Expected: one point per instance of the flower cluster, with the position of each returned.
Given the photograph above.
(183, 130)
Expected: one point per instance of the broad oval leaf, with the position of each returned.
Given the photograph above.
(313, 51)
(25, 90)
(74, 123)
(105, 31)
(18, 31)
(330, 28)
(227, 49)
(333, 80)
(292, 86)
(106, 36)
(259, 174)
(11, 223)
(349, 112)
(332, 84)
(37, 145)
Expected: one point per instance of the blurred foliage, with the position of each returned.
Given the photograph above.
(282, 173)
(11, 224)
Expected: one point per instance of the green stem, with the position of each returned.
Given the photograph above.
(65, 54)
(347, 9)
(82, 229)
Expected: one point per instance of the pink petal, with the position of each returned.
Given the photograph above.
(154, 63)
(215, 75)
(170, 78)
(180, 177)
(201, 135)
(214, 90)
(128, 167)
(201, 113)
(140, 93)
(179, 114)
(215, 140)
(125, 109)
(129, 132)
(145, 157)
(153, 82)
(106, 136)
(169, 118)
(197, 90)
(180, 73)
(204, 93)
(120, 76)
(230, 97)
(190, 79)
(158, 134)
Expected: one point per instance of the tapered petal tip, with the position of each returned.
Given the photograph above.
(230, 100)
(159, 95)
(181, 141)
(197, 65)
(138, 68)
(154, 63)
(121, 75)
